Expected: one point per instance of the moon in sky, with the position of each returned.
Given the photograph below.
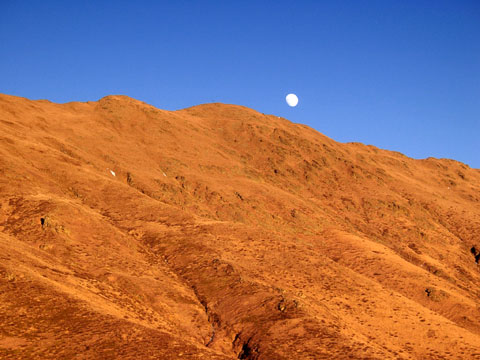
(292, 100)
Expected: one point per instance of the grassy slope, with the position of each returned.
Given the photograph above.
(226, 233)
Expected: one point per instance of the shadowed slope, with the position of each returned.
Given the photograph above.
(218, 232)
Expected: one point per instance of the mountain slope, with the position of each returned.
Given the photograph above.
(219, 232)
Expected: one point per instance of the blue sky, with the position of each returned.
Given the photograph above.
(401, 75)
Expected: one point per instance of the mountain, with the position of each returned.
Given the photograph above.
(218, 232)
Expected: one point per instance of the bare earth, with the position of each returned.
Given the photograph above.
(217, 232)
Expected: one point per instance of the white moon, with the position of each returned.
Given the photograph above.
(292, 100)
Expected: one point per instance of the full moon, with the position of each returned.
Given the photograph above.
(292, 100)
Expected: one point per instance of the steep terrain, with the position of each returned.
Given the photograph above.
(217, 232)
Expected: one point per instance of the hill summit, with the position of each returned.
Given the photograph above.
(217, 232)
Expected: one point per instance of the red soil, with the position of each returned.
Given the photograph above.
(225, 234)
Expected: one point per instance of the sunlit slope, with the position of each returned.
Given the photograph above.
(217, 232)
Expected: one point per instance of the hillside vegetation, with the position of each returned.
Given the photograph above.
(217, 232)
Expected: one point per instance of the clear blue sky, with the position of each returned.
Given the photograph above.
(401, 75)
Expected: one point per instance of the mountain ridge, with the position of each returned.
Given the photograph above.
(216, 231)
